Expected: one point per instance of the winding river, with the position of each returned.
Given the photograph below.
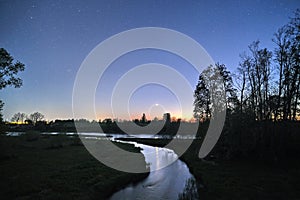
(163, 182)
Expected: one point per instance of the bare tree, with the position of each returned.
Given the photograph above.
(241, 80)
(287, 59)
(18, 117)
(281, 58)
(1, 108)
(255, 70)
(36, 116)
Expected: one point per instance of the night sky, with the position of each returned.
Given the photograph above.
(52, 38)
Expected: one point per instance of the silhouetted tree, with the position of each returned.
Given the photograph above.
(255, 79)
(8, 73)
(293, 31)
(202, 100)
(9, 69)
(260, 75)
(1, 108)
(281, 58)
(18, 117)
(287, 57)
(242, 82)
(214, 92)
(36, 117)
(230, 91)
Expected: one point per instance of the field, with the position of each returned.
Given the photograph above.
(35, 166)
(239, 178)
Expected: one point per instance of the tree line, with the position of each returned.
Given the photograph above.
(32, 118)
(266, 85)
(261, 98)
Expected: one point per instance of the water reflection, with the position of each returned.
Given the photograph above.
(158, 158)
(164, 181)
(108, 135)
(14, 134)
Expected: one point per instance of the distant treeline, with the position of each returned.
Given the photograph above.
(107, 126)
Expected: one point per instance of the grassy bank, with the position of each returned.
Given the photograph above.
(35, 166)
(245, 179)
(239, 179)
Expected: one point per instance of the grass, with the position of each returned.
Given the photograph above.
(35, 166)
(246, 179)
(239, 179)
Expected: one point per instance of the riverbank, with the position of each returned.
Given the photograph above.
(35, 166)
(239, 179)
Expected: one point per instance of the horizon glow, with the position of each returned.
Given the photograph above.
(53, 38)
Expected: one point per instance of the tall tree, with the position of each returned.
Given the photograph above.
(255, 70)
(8, 73)
(241, 81)
(281, 58)
(287, 57)
(214, 92)
(230, 91)
(202, 100)
(1, 108)
(294, 32)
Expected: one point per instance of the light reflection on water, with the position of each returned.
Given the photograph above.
(105, 135)
(164, 181)
(14, 134)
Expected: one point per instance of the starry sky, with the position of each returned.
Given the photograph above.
(52, 38)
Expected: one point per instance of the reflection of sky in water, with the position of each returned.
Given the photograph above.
(158, 158)
(166, 183)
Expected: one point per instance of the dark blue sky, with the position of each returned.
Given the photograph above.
(52, 38)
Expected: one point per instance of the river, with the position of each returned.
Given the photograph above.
(163, 182)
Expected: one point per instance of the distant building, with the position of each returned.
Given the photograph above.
(167, 118)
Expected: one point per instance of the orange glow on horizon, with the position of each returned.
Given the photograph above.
(174, 117)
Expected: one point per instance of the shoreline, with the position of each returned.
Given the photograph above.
(35, 155)
(239, 178)
(56, 166)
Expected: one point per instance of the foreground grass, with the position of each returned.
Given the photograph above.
(56, 167)
(239, 179)
(245, 179)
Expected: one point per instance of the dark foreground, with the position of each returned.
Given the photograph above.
(239, 178)
(35, 166)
